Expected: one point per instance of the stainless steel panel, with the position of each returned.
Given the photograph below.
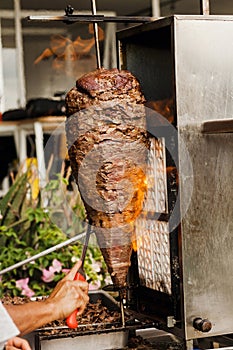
(105, 340)
(204, 77)
(190, 59)
(204, 91)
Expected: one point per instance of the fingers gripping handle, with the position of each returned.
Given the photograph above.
(71, 320)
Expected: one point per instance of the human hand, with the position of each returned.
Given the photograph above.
(69, 295)
(17, 343)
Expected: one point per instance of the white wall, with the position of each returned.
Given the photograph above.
(11, 95)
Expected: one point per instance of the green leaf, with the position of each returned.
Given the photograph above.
(35, 232)
(11, 202)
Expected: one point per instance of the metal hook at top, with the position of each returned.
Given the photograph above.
(96, 35)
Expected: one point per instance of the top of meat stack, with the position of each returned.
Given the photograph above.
(107, 146)
(103, 85)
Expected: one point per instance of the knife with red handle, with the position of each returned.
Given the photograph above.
(71, 320)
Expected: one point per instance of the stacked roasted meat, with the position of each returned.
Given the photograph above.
(107, 146)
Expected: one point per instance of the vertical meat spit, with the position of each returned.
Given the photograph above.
(108, 146)
(122, 107)
(96, 35)
(205, 7)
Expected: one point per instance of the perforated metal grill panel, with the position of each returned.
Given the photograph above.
(153, 246)
(156, 200)
(153, 250)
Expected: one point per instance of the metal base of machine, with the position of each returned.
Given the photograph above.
(98, 341)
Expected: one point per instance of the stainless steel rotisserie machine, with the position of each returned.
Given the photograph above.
(182, 265)
(181, 272)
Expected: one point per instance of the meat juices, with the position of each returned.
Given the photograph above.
(107, 145)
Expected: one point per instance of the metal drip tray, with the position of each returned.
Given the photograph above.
(101, 340)
(93, 336)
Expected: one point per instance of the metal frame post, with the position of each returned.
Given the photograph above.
(19, 51)
(205, 7)
(155, 4)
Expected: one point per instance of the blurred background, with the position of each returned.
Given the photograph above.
(36, 58)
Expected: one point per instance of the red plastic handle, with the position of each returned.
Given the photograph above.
(71, 320)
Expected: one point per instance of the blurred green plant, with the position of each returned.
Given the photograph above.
(27, 228)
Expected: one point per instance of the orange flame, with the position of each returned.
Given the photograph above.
(140, 188)
(134, 208)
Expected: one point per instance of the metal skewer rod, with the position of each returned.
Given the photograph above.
(122, 314)
(96, 35)
(45, 252)
(205, 7)
(84, 251)
(122, 308)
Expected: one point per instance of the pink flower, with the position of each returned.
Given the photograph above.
(48, 275)
(94, 286)
(28, 292)
(23, 285)
(56, 265)
(96, 266)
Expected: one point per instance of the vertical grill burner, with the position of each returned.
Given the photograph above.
(153, 246)
(181, 273)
